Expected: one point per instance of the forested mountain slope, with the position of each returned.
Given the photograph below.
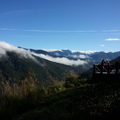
(14, 67)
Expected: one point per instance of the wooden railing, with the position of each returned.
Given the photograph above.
(108, 69)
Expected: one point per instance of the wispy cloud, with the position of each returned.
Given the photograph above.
(102, 45)
(112, 39)
(8, 29)
(62, 60)
(5, 47)
(59, 31)
(110, 30)
(32, 30)
(64, 31)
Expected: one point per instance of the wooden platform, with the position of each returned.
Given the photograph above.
(98, 69)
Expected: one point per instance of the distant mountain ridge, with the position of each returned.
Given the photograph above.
(64, 56)
(88, 57)
(15, 62)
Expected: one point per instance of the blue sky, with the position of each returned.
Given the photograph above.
(61, 24)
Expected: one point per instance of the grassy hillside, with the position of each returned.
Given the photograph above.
(16, 68)
(96, 98)
(75, 99)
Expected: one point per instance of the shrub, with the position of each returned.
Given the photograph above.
(19, 97)
(72, 81)
(55, 88)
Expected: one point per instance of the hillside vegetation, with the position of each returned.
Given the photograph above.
(74, 99)
(14, 67)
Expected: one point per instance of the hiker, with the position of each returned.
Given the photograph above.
(102, 65)
(116, 67)
(108, 67)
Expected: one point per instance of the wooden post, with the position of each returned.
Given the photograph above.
(108, 69)
(101, 69)
(94, 69)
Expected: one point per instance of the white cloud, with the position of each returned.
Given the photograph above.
(102, 45)
(58, 31)
(62, 60)
(79, 56)
(83, 56)
(4, 47)
(84, 52)
(51, 50)
(62, 31)
(113, 39)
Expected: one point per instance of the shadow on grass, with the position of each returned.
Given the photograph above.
(96, 101)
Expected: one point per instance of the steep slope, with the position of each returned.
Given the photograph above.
(116, 59)
(16, 68)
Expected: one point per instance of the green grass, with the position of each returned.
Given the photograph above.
(74, 99)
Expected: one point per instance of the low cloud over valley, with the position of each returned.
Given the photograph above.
(5, 47)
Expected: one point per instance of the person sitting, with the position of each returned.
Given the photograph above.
(102, 65)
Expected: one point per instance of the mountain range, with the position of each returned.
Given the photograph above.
(47, 65)
(75, 58)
